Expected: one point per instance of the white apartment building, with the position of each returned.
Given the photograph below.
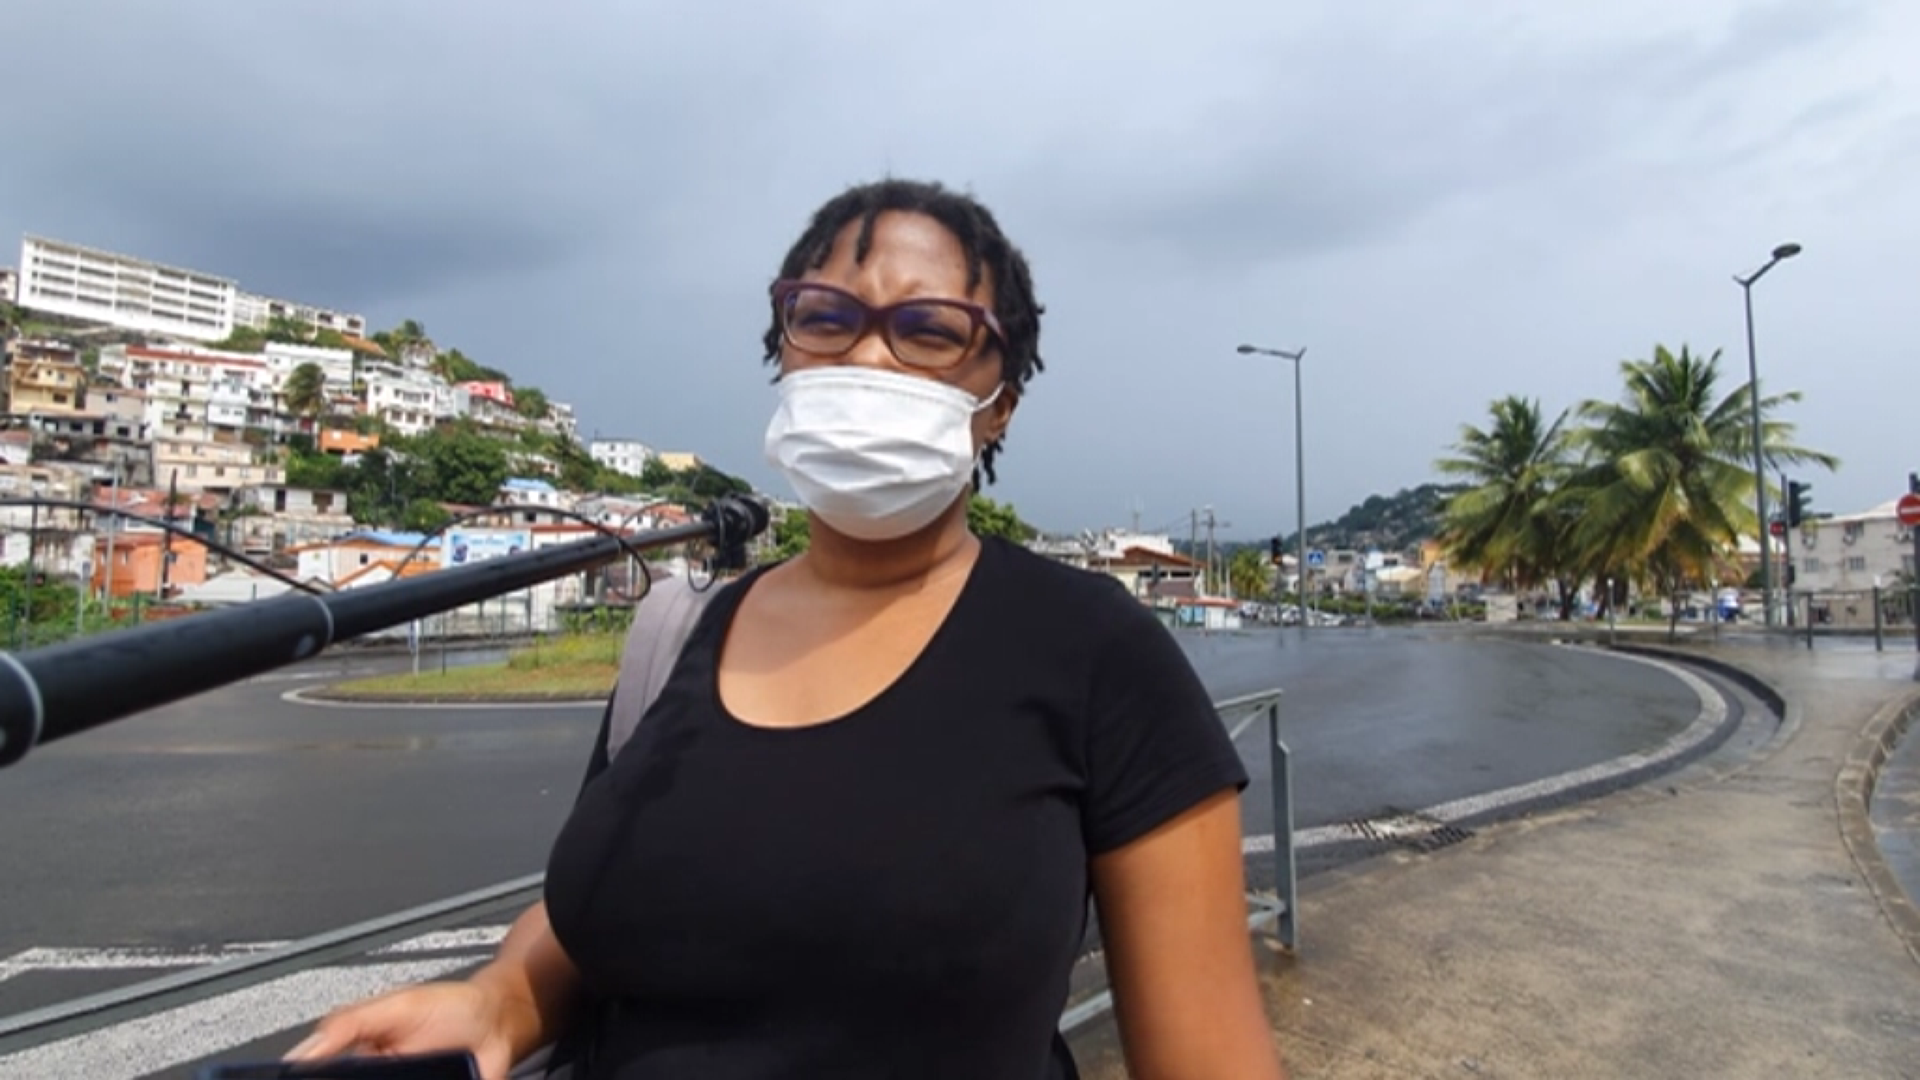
(1848, 553)
(276, 517)
(628, 456)
(218, 389)
(487, 411)
(9, 284)
(528, 491)
(259, 312)
(336, 367)
(209, 465)
(119, 290)
(407, 399)
(138, 294)
(561, 421)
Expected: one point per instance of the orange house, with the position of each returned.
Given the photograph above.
(136, 564)
(335, 441)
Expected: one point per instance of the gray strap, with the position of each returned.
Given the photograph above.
(661, 624)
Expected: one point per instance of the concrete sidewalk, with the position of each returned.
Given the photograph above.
(1712, 923)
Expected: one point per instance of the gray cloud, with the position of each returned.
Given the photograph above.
(1444, 204)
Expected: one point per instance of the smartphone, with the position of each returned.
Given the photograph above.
(453, 1066)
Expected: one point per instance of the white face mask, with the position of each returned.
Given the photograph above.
(875, 454)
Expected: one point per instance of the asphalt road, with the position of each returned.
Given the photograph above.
(238, 816)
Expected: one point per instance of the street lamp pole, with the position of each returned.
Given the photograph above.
(1299, 468)
(1784, 251)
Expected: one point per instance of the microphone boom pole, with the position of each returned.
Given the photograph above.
(61, 690)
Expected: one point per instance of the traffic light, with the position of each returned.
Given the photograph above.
(1797, 502)
(1276, 549)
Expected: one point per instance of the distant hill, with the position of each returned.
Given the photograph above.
(1388, 522)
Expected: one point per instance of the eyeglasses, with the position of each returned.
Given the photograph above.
(927, 333)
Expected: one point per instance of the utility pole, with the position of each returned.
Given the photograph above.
(1783, 251)
(166, 535)
(113, 531)
(1193, 543)
(1213, 575)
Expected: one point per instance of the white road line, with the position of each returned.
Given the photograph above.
(473, 937)
(145, 958)
(132, 958)
(298, 697)
(1713, 712)
(140, 1047)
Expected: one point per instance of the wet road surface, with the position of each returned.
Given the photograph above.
(238, 816)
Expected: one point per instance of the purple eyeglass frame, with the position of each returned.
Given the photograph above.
(784, 289)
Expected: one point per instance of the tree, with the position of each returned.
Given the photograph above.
(791, 534)
(306, 391)
(1251, 573)
(1666, 492)
(1505, 524)
(530, 402)
(243, 339)
(463, 467)
(655, 474)
(988, 518)
(288, 330)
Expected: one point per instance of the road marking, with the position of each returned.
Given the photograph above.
(1713, 712)
(131, 958)
(299, 697)
(147, 958)
(173, 1037)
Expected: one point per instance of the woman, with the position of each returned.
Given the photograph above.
(856, 834)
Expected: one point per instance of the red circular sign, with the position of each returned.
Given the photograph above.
(1908, 509)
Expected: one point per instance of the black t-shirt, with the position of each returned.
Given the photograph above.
(899, 892)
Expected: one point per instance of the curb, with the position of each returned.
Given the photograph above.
(1790, 712)
(1853, 798)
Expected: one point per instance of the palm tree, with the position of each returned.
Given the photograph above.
(1505, 525)
(306, 391)
(1666, 491)
(1250, 573)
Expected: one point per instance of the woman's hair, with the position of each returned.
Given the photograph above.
(988, 250)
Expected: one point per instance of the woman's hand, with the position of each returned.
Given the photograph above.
(432, 1017)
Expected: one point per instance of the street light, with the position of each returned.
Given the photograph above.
(1299, 467)
(1784, 251)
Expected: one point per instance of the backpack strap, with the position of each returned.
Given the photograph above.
(662, 622)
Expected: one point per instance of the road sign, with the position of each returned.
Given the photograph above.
(1908, 509)
(1316, 559)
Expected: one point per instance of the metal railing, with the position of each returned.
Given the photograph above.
(1245, 709)
(1882, 612)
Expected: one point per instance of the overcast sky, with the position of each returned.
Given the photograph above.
(1443, 202)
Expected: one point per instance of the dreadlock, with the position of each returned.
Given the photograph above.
(988, 251)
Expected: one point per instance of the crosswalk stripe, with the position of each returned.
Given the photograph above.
(203, 1029)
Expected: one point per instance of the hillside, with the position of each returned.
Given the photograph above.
(1387, 522)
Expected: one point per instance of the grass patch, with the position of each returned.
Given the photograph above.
(564, 669)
